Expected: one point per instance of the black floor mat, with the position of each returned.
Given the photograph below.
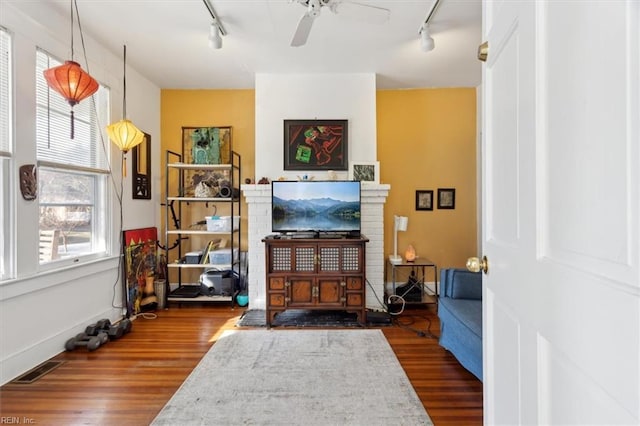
(311, 318)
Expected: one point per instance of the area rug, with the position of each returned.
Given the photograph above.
(297, 377)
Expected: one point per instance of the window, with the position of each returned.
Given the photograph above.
(6, 108)
(72, 173)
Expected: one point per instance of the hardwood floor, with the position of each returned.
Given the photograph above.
(128, 381)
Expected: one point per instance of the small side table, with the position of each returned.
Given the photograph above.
(407, 278)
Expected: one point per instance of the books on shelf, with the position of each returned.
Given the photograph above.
(211, 245)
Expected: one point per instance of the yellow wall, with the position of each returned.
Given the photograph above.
(210, 108)
(426, 141)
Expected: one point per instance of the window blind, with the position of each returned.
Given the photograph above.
(6, 100)
(53, 121)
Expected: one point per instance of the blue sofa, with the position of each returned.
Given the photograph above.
(460, 313)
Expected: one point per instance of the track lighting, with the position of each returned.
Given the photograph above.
(426, 41)
(215, 40)
(216, 30)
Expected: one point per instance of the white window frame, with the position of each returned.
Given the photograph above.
(7, 234)
(96, 168)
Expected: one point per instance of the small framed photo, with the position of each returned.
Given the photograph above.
(424, 200)
(365, 171)
(446, 198)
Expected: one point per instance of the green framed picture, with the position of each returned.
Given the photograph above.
(315, 144)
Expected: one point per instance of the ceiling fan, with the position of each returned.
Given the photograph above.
(351, 9)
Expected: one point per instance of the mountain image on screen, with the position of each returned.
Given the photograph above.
(316, 206)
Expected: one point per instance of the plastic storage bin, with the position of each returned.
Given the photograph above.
(193, 257)
(222, 223)
(222, 256)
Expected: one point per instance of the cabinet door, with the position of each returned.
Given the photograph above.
(316, 292)
(329, 259)
(280, 259)
(330, 292)
(301, 291)
(340, 258)
(305, 258)
(352, 260)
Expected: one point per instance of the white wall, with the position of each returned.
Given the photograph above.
(313, 96)
(40, 310)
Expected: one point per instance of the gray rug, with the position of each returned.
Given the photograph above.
(297, 377)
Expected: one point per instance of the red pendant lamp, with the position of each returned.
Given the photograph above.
(124, 134)
(70, 80)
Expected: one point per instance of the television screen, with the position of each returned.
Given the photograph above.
(318, 206)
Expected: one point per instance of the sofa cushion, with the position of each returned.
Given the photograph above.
(461, 331)
(461, 284)
(467, 311)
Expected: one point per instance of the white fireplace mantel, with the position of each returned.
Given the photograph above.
(258, 198)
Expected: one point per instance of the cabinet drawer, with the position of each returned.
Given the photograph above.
(355, 299)
(354, 283)
(276, 300)
(276, 283)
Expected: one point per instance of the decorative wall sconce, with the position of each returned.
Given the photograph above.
(29, 181)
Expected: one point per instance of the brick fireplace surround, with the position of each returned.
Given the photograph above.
(258, 198)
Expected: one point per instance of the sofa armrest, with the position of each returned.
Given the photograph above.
(459, 283)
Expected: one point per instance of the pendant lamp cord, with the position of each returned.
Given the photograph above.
(124, 83)
(124, 104)
(84, 48)
(72, 3)
(72, 116)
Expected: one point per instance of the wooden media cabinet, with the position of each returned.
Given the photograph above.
(315, 273)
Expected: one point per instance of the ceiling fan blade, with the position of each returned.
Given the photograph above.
(360, 11)
(303, 30)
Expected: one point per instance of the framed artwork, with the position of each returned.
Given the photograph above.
(446, 198)
(205, 145)
(315, 144)
(140, 257)
(141, 180)
(424, 200)
(365, 171)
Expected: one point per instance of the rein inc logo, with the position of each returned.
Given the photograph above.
(15, 420)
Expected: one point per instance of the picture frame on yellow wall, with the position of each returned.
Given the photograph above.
(446, 198)
(424, 200)
(365, 171)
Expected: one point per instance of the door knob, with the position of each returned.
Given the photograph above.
(483, 51)
(475, 264)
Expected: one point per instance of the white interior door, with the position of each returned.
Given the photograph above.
(561, 201)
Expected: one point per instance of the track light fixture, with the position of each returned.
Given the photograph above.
(216, 30)
(426, 41)
(215, 40)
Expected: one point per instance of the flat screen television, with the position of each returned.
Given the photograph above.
(315, 206)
